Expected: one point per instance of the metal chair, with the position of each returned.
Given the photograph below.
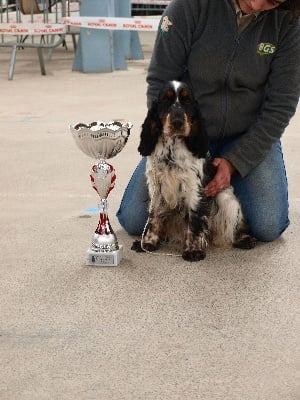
(19, 29)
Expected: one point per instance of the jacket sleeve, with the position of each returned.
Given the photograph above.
(279, 105)
(172, 45)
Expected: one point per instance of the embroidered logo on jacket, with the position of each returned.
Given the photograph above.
(266, 48)
(165, 25)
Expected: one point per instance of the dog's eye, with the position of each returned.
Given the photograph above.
(184, 93)
(184, 96)
(169, 94)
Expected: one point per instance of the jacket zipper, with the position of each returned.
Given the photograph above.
(225, 91)
(226, 78)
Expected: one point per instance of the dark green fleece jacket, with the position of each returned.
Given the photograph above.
(247, 84)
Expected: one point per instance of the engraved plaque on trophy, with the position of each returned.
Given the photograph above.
(102, 141)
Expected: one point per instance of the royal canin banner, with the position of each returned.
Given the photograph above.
(32, 29)
(112, 23)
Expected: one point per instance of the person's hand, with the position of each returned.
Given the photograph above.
(222, 178)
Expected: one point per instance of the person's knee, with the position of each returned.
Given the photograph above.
(131, 228)
(130, 224)
(269, 231)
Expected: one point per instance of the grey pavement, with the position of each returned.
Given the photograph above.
(155, 327)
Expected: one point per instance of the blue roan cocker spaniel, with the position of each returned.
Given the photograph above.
(179, 167)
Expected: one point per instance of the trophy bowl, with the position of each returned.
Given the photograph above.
(99, 139)
(102, 141)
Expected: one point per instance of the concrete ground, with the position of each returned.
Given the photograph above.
(153, 328)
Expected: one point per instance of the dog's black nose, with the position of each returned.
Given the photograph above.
(177, 123)
(177, 116)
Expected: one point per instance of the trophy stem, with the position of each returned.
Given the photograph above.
(104, 227)
(104, 250)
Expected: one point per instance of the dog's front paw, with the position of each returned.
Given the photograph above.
(140, 247)
(137, 246)
(245, 242)
(193, 255)
(149, 247)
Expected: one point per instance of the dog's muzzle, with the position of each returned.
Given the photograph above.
(177, 116)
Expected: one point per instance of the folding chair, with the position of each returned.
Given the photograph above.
(22, 27)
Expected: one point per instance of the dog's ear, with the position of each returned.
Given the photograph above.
(151, 130)
(197, 141)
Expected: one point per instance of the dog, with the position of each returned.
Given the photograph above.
(179, 166)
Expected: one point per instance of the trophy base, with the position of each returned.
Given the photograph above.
(104, 259)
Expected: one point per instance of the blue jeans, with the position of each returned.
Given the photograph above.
(263, 194)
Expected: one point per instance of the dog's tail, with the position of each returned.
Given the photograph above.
(226, 218)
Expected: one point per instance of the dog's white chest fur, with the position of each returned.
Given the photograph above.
(176, 173)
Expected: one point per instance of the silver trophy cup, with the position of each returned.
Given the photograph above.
(101, 141)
